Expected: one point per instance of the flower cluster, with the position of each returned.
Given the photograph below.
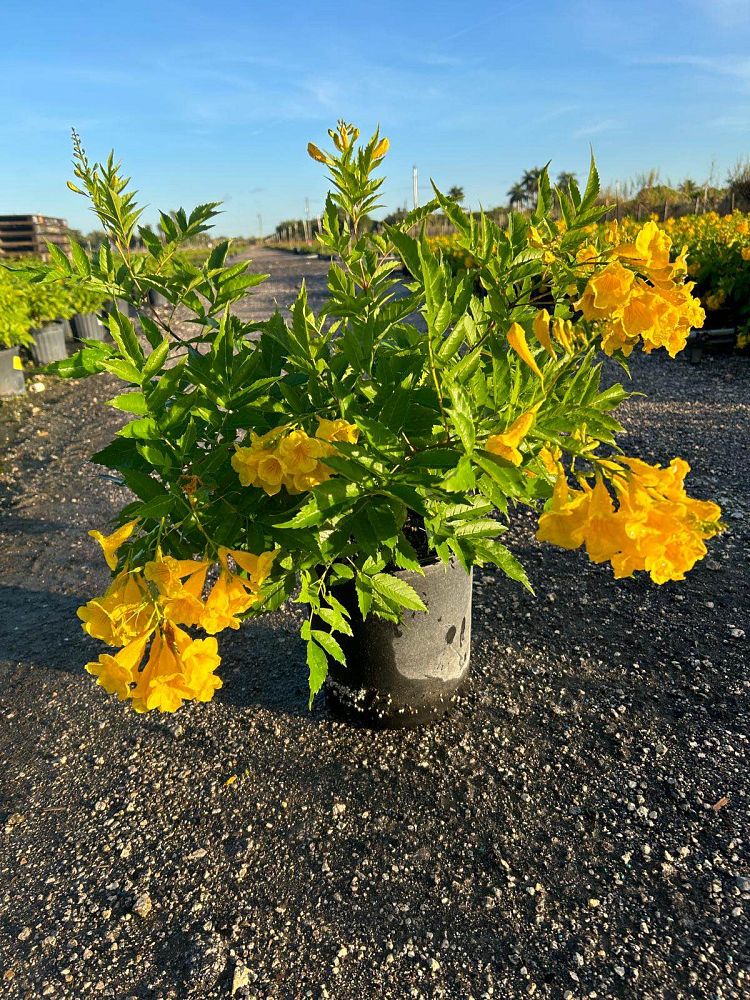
(640, 294)
(655, 526)
(149, 605)
(291, 459)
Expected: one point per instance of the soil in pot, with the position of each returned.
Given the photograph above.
(49, 344)
(11, 373)
(406, 675)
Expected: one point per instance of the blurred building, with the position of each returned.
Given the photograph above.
(30, 234)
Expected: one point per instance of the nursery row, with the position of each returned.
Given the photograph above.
(39, 317)
(718, 248)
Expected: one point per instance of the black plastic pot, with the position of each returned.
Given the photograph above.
(11, 373)
(156, 299)
(122, 305)
(88, 326)
(402, 676)
(49, 344)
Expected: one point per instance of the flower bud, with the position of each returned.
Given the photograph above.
(315, 153)
(381, 149)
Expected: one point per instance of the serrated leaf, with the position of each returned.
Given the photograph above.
(155, 360)
(81, 261)
(461, 417)
(398, 591)
(329, 644)
(496, 552)
(130, 402)
(317, 663)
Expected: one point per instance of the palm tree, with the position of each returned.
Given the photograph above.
(530, 184)
(516, 195)
(565, 178)
(456, 193)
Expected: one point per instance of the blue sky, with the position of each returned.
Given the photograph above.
(217, 100)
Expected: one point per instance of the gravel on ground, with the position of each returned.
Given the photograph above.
(576, 827)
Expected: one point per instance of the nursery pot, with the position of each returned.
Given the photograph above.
(156, 299)
(122, 305)
(49, 344)
(11, 373)
(406, 675)
(88, 326)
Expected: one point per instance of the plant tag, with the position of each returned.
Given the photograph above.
(17, 363)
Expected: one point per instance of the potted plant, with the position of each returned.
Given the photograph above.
(87, 305)
(49, 305)
(15, 324)
(362, 459)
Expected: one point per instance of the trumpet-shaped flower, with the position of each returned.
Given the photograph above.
(125, 611)
(116, 674)
(111, 543)
(337, 430)
(506, 444)
(517, 340)
(656, 527)
(540, 327)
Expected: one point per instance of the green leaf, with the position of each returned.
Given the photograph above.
(158, 507)
(122, 369)
(405, 556)
(363, 586)
(130, 402)
(398, 591)
(81, 261)
(334, 618)
(156, 454)
(592, 187)
(88, 361)
(155, 360)
(461, 416)
(329, 644)
(462, 478)
(123, 334)
(59, 258)
(493, 551)
(317, 663)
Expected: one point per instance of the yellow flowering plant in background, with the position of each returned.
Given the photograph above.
(402, 422)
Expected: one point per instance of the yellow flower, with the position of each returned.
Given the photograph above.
(298, 453)
(230, 597)
(125, 611)
(606, 292)
(587, 256)
(199, 658)
(305, 481)
(337, 430)
(258, 568)
(381, 149)
(179, 598)
(535, 237)
(259, 467)
(550, 456)
(566, 516)
(506, 444)
(564, 333)
(111, 543)
(517, 340)
(745, 252)
(541, 331)
(116, 674)
(656, 528)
